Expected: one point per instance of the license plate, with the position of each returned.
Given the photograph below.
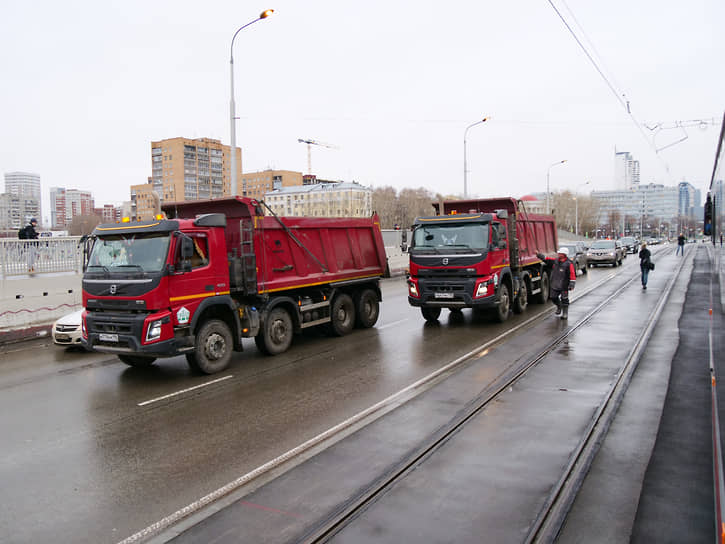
(103, 337)
(62, 337)
(443, 295)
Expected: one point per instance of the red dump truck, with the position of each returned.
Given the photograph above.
(479, 254)
(212, 272)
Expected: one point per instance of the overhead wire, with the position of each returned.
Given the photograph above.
(610, 85)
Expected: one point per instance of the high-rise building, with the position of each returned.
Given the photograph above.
(65, 204)
(626, 171)
(192, 169)
(25, 186)
(687, 202)
(646, 206)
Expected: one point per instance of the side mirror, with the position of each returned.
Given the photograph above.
(187, 248)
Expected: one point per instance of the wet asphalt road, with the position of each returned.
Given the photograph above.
(82, 461)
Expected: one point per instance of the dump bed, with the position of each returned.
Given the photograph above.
(295, 252)
(535, 233)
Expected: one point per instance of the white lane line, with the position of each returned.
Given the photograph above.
(398, 322)
(144, 403)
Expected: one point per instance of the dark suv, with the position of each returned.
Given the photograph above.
(630, 244)
(605, 252)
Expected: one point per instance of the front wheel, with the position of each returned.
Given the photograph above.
(501, 312)
(430, 314)
(137, 361)
(276, 334)
(522, 299)
(585, 269)
(212, 348)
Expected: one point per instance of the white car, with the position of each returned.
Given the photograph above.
(67, 330)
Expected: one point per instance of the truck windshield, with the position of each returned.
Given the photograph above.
(451, 236)
(143, 253)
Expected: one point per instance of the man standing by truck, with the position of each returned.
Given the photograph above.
(563, 280)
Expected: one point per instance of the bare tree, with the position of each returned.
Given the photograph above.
(83, 224)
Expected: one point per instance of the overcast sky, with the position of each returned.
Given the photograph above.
(88, 85)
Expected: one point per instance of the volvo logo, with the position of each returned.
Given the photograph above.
(445, 260)
(113, 289)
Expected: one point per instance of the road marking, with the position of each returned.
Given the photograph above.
(144, 403)
(398, 322)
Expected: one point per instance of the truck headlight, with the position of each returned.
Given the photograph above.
(482, 289)
(413, 289)
(154, 331)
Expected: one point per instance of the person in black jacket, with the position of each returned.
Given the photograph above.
(31, 247)
(644, 261)
(563, 280)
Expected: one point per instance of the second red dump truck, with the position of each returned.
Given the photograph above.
(213, 272)
(479, 254)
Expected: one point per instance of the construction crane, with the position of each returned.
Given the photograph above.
(310, 143)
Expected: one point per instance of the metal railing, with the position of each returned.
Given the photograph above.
(44, 255)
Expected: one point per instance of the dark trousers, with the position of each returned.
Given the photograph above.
(560, 298)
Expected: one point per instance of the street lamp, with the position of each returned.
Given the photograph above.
(548, 205)
(465, 167)
(576, 209)
(233, 117)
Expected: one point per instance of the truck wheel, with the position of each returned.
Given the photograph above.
(276, 334)
(137, 360)
(501, 311)
(430, 314)
(212, 348)
(522, 299)
(367, 308)
(342, 315)
(543, 295)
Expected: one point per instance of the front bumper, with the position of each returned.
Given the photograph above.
(447, 293)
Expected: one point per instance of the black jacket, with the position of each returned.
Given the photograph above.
(644, 257)
(563, 274)
(30, 233)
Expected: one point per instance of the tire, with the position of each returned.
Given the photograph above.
(342, 315)
(585, 269)
(277, 332)
(522, 299)
(430, 314)
(367, 308)
(543, 296)
(137, 361)
(501, 311)
(212, 348)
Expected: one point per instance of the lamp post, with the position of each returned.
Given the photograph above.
(548, 205)
(233, 117)
(465, 167)
(576, 209)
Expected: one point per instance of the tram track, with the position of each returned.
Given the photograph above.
(550, 518)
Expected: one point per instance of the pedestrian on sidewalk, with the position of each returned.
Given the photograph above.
(680, 245)
(563, 280)
(645, 263)
(31, 247)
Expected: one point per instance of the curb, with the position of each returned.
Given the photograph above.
(20, 335)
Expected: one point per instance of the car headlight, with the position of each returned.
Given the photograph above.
(154, 331)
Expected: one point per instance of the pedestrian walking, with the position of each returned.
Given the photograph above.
(645, 263)
(563, 280)
(29, 233)
(680, 245)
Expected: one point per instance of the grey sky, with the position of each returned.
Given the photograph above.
(88, 85)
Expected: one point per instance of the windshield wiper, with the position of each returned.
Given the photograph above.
(105, 268)
(131, 266)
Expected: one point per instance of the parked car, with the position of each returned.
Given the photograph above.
(630, 244)
(605, 252)
(67, 330)
(577, 255)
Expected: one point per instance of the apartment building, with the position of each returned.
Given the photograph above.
(65, 204)
(323, 199)
(192, 169)
(257, 184)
